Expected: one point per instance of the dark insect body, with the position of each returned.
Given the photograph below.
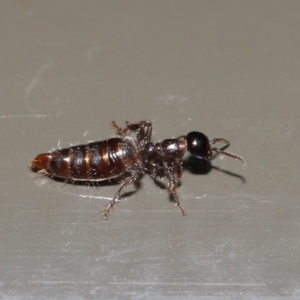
(125, 159)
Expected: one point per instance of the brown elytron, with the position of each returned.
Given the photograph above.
(126, 158)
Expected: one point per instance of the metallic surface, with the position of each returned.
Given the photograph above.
(225, 68)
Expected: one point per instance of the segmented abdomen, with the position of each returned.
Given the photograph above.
(95, 161)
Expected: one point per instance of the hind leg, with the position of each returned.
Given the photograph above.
(116, 197)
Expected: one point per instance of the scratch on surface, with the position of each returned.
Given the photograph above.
(95, 197)
(60, 282)
(240, 195)
(33, 83)
(155, 243)
(24, 116)
(170, 99)
(189, 283)
(237, 195)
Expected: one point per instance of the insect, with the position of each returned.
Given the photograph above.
(125, 159)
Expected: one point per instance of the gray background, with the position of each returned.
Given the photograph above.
(227, 68)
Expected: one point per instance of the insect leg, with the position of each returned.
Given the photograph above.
(143, 130)
(120, 131)
(116, 197)
(173, 173)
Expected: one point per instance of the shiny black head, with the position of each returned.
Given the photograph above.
(198, 144)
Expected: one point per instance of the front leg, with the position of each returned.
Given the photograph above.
(173, 172)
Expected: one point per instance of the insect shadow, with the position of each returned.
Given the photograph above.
(198, 166)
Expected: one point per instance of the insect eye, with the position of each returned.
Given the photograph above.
(198, 144)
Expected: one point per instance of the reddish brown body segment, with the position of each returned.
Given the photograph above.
(92, 162)
(125, 158)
